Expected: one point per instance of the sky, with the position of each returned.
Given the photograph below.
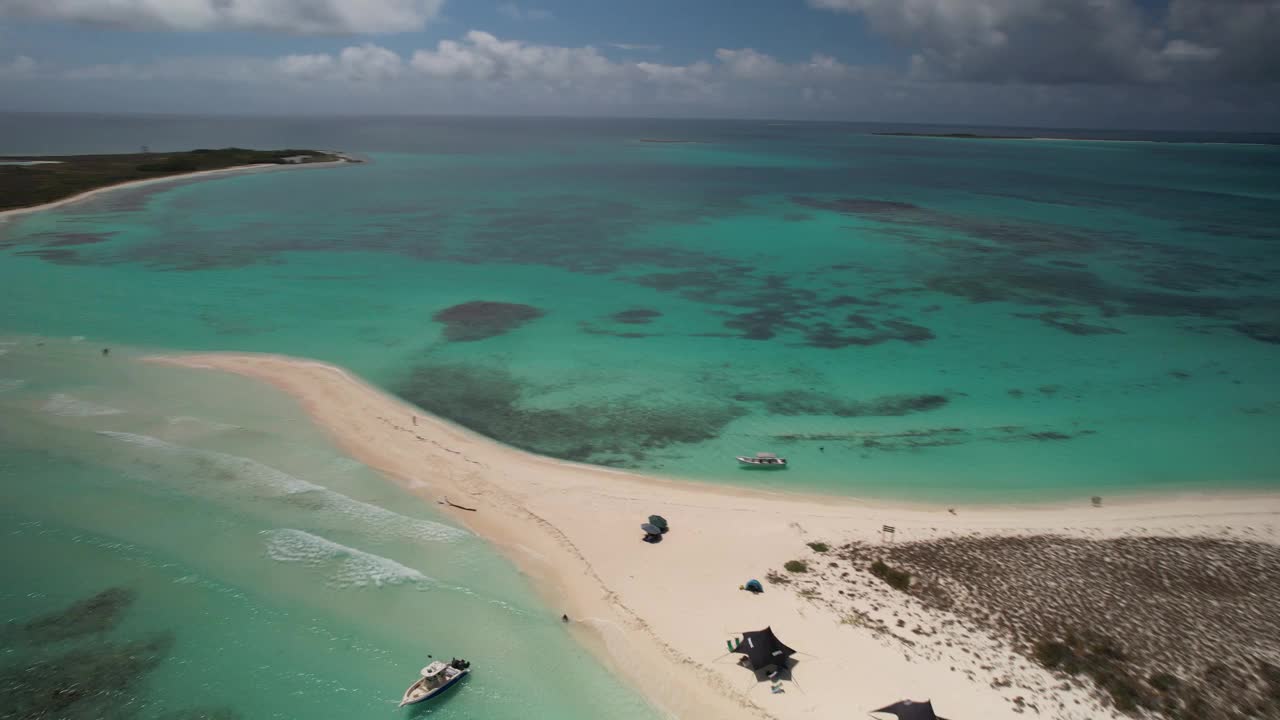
(1158, 64)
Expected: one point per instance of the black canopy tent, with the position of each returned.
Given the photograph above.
(909, 710)
(763, 649)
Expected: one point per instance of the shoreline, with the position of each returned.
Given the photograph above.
(659, 615)
(6, 215)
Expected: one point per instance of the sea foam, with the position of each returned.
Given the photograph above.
(376, 521)
(192, 420)
(347, 566)
(70, 406)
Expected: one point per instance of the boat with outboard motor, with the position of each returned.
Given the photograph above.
(436, 678)
(763, 460)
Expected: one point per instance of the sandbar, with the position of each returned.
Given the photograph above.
(659, 615)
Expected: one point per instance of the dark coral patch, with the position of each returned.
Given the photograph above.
(841, 300)
(857, 205)
(481, 319)
(760, 324)
(70, 239)
(493, 402)
(637, 316)
(1262, 332)
(57, 256)
(1070, 322)
(826, 335)
(93, 615)
(95, 681)
(1027, 284)
(592, 329)
(804, 402)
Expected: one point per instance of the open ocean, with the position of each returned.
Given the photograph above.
(943, 319)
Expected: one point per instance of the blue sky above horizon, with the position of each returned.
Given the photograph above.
(1202, 64)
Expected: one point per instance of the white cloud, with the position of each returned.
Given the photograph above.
(747, 63)
(307, 67)
(1100, 42)
(481, 56)
(303, 17)
(512, 11)
(366, 63)
(20, 66)
(1037, 41)
(482, 73)
(636, 46)
(1179, 50)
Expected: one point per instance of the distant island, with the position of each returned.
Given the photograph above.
(27, 181)
(669, 142)
(966, 136)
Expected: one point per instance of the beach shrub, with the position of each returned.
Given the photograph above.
(896, 579)
(174, 164)
(796, 566)
(1100, 659)
(1164, 682)
(777, 578)
(819, 547)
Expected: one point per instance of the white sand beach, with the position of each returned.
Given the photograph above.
(80, 197)
(660, 614)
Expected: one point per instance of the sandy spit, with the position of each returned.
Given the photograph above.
(659, 615)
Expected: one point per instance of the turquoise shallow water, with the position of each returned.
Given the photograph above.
(920, 318)
(256, 572)
(946, 319)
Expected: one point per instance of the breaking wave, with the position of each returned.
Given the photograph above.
(69, 406)
(304, 494)
(346, 566)
(192, 420)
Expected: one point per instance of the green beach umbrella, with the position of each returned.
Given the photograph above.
(659, 522)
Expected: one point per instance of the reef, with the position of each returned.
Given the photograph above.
(93, 615)
(493, 402)
(92, 682)
(1262, 332)
(637, 316)
(923, 438)
(482, 319)
(804, 402)
(1070, 322)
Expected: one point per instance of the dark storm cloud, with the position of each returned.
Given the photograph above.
(1055, 42)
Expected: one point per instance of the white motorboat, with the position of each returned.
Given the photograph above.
(436, 678)
(763, 460)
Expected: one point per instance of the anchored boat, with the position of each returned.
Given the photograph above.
(436, 678)
(763, 460)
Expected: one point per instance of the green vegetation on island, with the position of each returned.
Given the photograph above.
(50, 178)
